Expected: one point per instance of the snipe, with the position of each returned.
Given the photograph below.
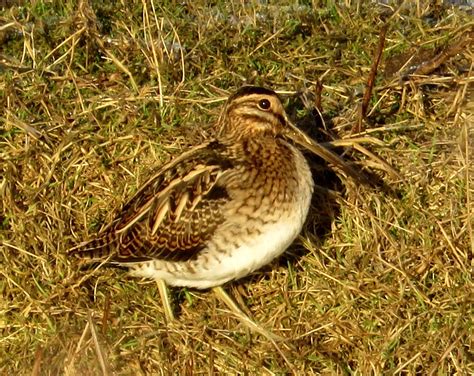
(222, 209)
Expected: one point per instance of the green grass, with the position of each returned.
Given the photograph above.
(94, 96)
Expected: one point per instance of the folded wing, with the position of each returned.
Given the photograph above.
(172, 216)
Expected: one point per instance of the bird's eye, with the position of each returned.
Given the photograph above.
(264, 104)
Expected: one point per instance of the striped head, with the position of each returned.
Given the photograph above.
(252, 111)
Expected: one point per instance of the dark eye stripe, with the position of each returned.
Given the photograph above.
(264, 117)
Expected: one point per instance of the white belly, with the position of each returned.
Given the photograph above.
(223, 267)
(250, 256)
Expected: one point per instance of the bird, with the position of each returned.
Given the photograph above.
(222, 209)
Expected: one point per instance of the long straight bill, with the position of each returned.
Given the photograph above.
(302, 139)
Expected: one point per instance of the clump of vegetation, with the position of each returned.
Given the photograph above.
(95, 95)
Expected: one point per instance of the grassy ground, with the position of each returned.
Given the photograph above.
(94, 95)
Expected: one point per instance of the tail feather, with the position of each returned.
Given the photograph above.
(98, 249)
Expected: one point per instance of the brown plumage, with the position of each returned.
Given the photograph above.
(171, 216)
(223, 208)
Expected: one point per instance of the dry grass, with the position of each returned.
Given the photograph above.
(94, 95)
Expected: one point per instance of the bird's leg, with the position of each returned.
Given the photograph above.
(247, 321)
(228, 301)
(163, 290)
